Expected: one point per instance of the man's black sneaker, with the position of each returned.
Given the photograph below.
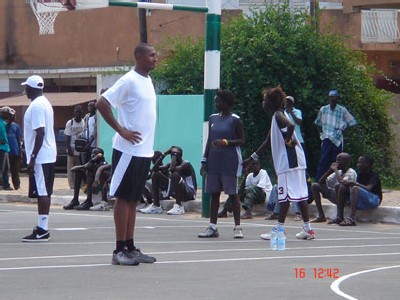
(84, 206)
(71, 205)
(38, 235)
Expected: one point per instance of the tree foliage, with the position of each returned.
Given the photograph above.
(278, 47)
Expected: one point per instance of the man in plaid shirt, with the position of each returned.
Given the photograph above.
(331, 121)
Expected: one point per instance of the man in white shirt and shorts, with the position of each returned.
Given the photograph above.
(41, 153)
(134, 98)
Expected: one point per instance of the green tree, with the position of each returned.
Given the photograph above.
(274, 47)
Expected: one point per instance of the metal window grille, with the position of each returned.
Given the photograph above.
(379, 26)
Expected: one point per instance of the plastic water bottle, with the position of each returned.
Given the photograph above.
(273, 241)
(281, 239)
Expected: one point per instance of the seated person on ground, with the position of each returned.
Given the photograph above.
(102, 181)
(87, 171)
(365, 193)
(328, 184)
(257, 188)
(180, 179)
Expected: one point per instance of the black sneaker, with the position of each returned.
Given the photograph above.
(38, 235)
(84, 206)
(71, 204)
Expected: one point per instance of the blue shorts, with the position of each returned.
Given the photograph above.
(367, 200)
(216, 183)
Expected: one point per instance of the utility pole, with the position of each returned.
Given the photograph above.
(143, 23)
(313, 13)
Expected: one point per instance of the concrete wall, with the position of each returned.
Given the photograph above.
(179, 123)
(87, 38)
(383, 55)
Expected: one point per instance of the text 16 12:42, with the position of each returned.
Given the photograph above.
(317, 273)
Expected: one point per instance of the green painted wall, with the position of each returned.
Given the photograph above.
(179, 123)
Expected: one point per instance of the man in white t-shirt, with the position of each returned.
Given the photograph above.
(90, 132)
(257, 188)
(41, 153)
(73, 129)
(134, 98)
(91, 125)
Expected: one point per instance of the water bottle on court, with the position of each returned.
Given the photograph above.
(281, 239)
(273, 241)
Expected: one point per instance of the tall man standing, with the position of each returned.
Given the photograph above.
(41, 153)
(331, 121)
(134, 98)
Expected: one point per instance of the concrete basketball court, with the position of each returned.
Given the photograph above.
(75, 263)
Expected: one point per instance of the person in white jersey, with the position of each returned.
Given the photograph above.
(134, 98)
(289, 162)
(41, 153)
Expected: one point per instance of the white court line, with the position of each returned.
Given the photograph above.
(229, 225)
(206, 261)
(180, 252)
(335, 285)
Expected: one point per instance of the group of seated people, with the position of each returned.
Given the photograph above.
(341, 185)
(175, 179)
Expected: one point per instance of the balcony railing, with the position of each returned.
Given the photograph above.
(379, 26)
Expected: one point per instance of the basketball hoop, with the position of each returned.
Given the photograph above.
(46, 13)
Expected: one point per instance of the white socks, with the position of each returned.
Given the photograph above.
(43, 221)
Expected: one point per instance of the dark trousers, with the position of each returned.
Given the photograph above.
(328, 155)
(15, 166)
(4, 166)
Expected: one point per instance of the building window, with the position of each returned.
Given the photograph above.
(379, 26)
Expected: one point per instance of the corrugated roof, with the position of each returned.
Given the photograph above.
(56, 99)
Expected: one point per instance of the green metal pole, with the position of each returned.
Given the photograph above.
(212, 62)
(161, 6)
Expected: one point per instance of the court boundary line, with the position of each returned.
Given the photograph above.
(335, 286)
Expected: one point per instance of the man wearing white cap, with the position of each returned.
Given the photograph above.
(41, 153)
(331, 121)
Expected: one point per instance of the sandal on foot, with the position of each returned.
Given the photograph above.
(335, 221)
(348, 222)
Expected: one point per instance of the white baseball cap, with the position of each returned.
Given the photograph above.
(290, 98)
(34, 81)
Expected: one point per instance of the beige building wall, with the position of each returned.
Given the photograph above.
(350, 6)
(386, 56)
(99, 37)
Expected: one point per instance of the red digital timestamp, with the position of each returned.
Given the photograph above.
(316, 273)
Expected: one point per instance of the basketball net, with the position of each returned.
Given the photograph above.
(46, 14)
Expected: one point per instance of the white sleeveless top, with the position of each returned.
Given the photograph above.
(285, 158)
